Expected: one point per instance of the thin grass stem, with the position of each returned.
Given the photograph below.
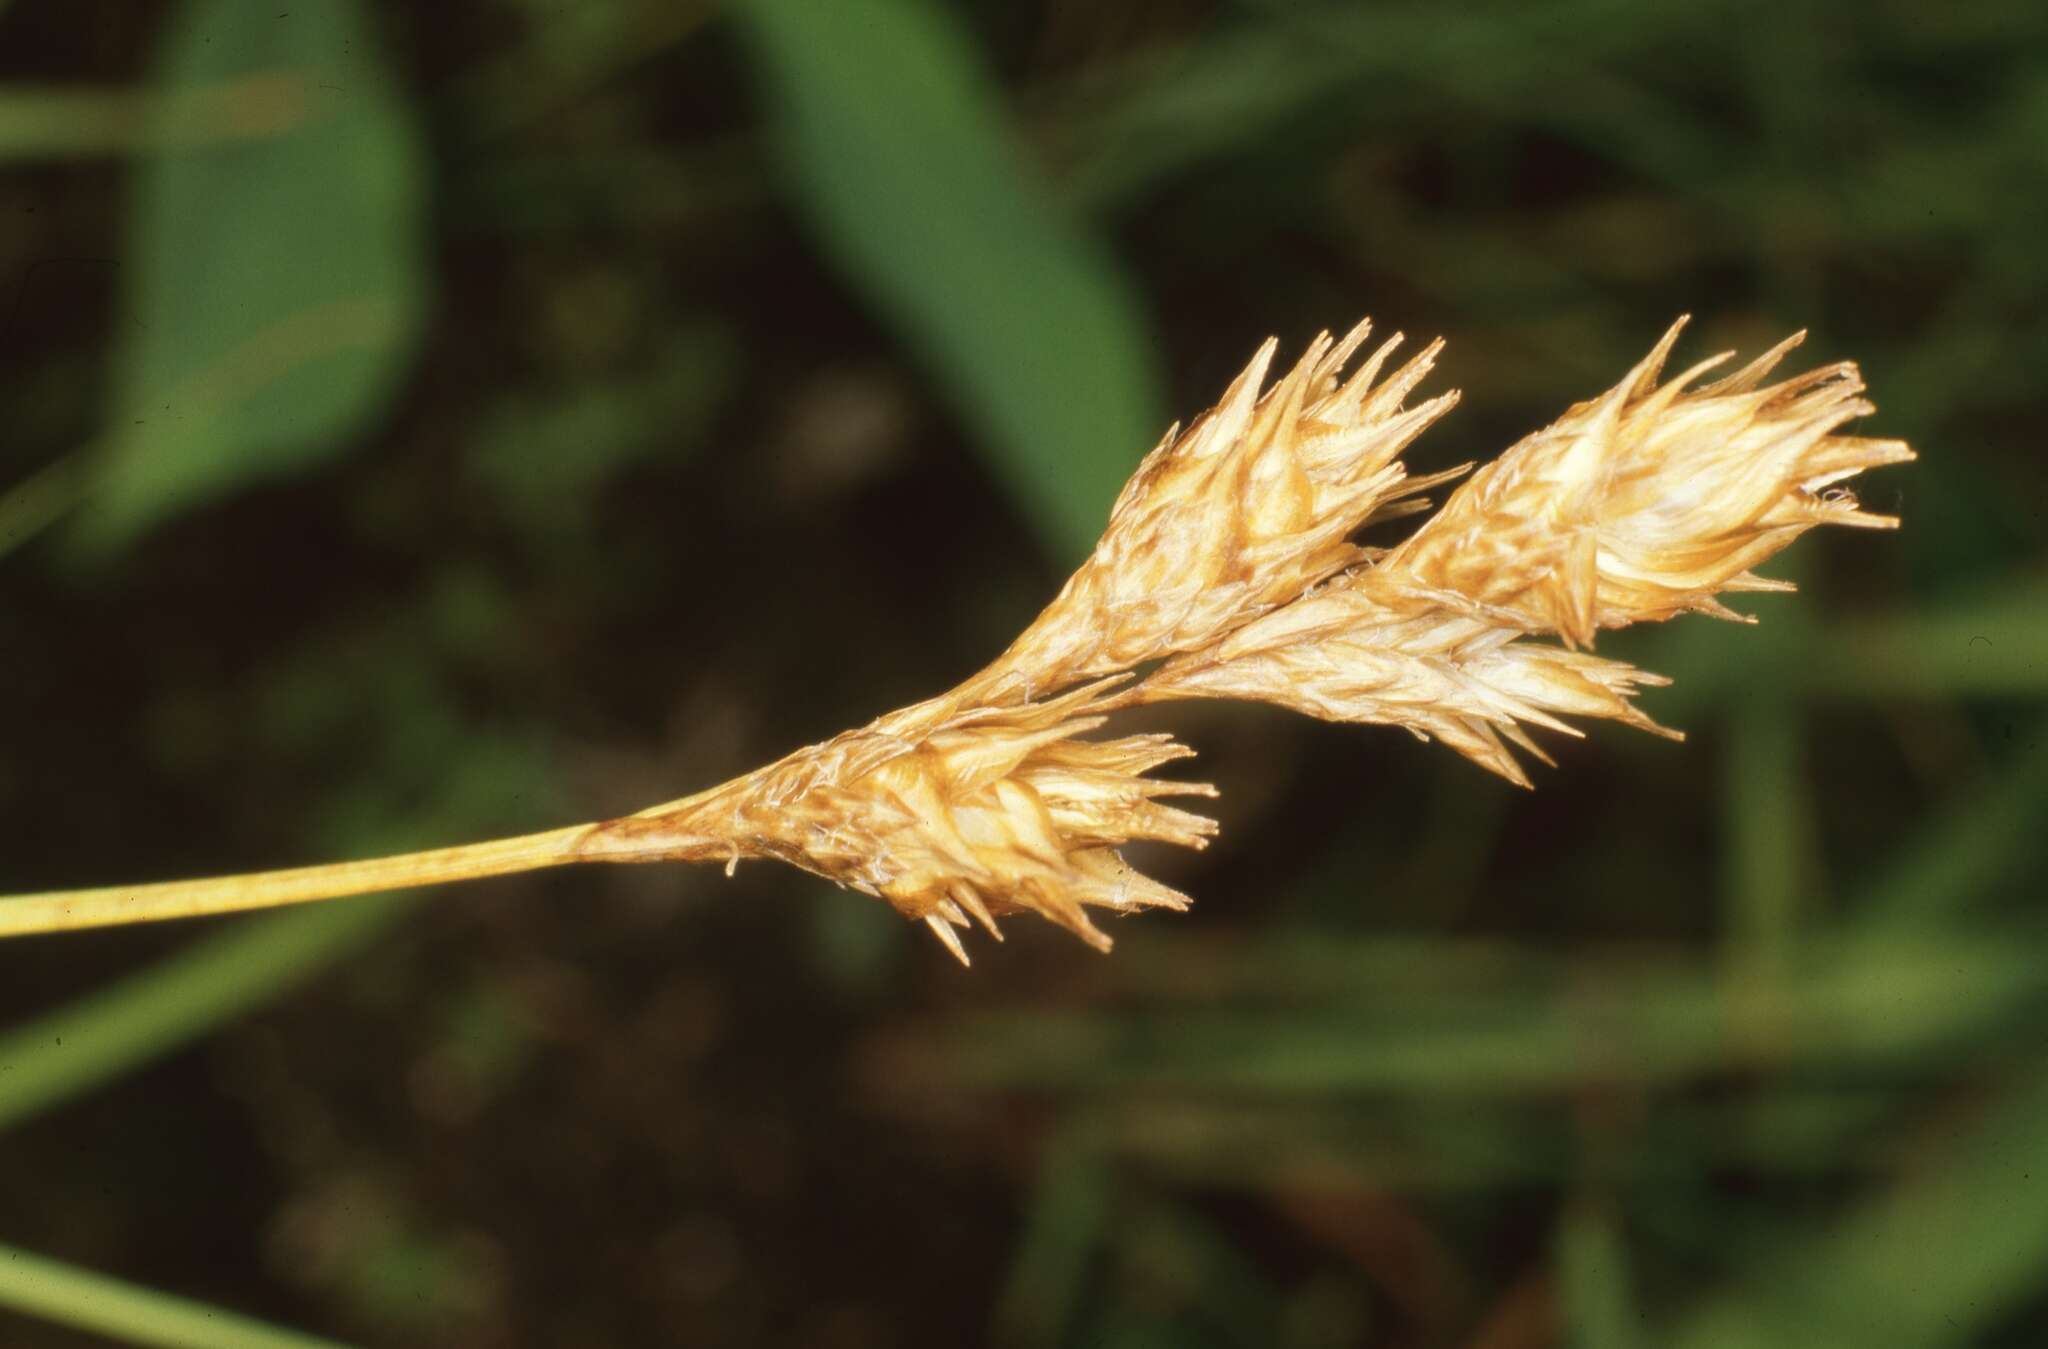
(108, 906)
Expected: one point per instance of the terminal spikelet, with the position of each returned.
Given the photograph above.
(1650, 500)
(1249, 506)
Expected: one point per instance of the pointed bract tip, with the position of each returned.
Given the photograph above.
(945, 933)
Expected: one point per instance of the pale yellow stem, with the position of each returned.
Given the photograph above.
(69, 910)
(659, 834)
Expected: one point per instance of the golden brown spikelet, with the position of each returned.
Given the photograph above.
(1442, 670)
(1230, 557)
(1636, 506)
(1253, 503)
(951, 812)
(1648, 501)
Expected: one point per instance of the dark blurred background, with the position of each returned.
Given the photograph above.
(428, 422)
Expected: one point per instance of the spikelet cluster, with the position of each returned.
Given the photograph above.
(1644, 503)
(952, 811)
(1251, 505)
(1231, 558)
(1650, 500)
(1231, 568)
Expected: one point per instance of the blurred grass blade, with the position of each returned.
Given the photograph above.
(1975, 845)
(1948, 1254)
(133, 1020)
(1994, 645)
(54, 122)
(1868, 1001)
(1241, 88)
(38, 501)
(1990, 645)
(901, 156)
(568, 51)
(1063, 1231)
(1338, 1145)
(1167, 112)
(79, 1298)
(1772, 863)
(274, 288)
(1599, 1304)
(1193, 1260)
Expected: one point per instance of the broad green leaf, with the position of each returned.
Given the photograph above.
(275, 286)
(899, 153)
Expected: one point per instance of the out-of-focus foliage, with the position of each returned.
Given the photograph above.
(896, 147)
(275, 281)
(740, 373)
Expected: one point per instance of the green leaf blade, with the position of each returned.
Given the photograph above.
(276, 283)
(899, 154)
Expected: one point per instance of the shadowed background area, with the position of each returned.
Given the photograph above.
(430, 422)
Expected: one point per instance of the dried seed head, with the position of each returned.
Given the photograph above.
(1639, 505)
(954, 812)
(1649, 500)
(1250, 505)
(1440, 668)
(1229, 555)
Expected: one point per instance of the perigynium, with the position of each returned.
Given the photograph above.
(1231, 560)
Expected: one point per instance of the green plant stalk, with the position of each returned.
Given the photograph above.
(41, 1287)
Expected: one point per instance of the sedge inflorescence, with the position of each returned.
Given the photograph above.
(1230, 565)
(1231, 568)
(952, 810)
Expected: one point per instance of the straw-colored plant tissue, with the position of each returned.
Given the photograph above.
(1230, 569)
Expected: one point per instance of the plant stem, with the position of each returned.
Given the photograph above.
(80, 1298)
(70, 910)
(664, 833)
